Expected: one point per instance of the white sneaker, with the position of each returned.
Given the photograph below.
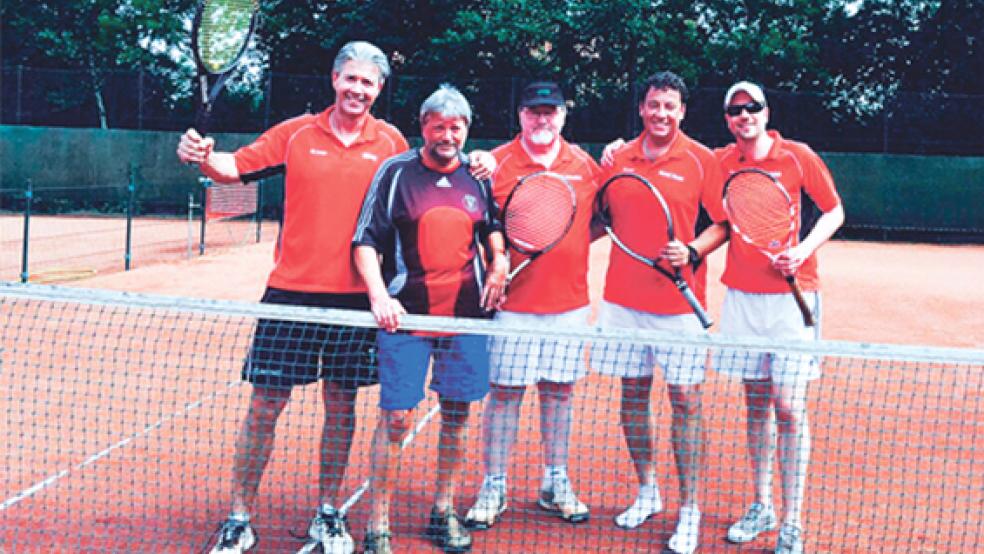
(685, 538)
(790, 540)
(757, 519)
(235, 537)
(328, 534)
(645, 505)
(558, 496)
(489, 505)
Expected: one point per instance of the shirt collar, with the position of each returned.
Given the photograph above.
(368, 133)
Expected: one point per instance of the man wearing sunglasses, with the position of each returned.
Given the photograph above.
(758, 304)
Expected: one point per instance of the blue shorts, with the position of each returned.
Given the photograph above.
(461, 368)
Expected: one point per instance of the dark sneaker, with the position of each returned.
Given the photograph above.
(328, 534)
(447, 532)
(235, 537)
(377, 542)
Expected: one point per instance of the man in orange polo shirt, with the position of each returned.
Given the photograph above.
(688, 176)
(758, 303)
(328, 161)
(552, 291)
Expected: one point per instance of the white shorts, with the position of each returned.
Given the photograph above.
(682, 365)
(518, 361)
(773, 316)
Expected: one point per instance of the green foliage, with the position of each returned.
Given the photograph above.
(858, 54)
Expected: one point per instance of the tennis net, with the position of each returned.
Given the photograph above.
(120, 412)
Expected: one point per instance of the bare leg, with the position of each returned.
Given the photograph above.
(794, 447)
(688, 448)
(688, 439)
(454, 431)
(761, 436)
(500, 422)
(636, 420)
(637, 428)
(386, 458)
(336, 438)
(255, 443)
(555, 421)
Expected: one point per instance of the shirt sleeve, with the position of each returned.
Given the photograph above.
(266, 155)
(491, 222)
(375, 225)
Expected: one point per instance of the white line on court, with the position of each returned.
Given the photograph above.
(41, 485)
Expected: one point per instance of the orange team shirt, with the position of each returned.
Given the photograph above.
(687, 176)
(799, 169)
(558, 280)
(324, 185)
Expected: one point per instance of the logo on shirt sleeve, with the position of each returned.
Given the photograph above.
(369, 156)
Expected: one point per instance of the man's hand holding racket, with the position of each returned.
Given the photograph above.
(194, 148)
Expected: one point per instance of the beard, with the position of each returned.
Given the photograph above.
(542, 137)
(444, 157)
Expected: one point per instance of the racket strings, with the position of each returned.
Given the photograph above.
(760, 212)
(538, 215)
(637, 217)
(223, 32)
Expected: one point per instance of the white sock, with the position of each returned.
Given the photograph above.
(496, 479)
(553, 472)
(684, 539)
(646, 504)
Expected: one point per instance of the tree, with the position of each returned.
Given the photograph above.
(97, 36)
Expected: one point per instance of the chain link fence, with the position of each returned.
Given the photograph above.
(906, 123)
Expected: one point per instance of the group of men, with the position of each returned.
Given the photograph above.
(418, 231)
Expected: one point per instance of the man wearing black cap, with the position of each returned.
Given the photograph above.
(551, 292)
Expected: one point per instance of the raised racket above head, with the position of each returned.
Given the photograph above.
(537, 215)
(219, 37)
(638, 220)
(761, 212)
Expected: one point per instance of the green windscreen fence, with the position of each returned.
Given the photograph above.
(886, 196)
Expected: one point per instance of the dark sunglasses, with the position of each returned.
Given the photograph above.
(751, 107)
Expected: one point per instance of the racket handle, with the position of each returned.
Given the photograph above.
(800, 301)
(517, 269)
(688, 294)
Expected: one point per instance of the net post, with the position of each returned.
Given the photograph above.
(205, 182)
(28, 202)
(131, 189)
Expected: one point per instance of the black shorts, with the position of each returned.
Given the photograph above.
(288, 353)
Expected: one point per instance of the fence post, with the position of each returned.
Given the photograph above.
(20, 91)
(268, 98)
(140, 98)
(259, 210)
(28, 201)
(131, 190)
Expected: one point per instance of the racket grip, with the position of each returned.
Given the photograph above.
(800, 301)
(705, 320)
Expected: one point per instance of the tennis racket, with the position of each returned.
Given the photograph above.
(761, 212)
(219, 36)
(648, 211)
(537, 214)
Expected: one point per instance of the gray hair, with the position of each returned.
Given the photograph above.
(448, 102)
(362, 51)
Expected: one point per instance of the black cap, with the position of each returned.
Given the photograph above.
(541, 93)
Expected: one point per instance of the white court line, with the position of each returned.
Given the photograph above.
(41, 485)
(406, 442)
